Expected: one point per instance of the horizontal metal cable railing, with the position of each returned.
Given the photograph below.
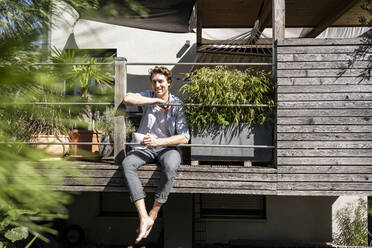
(62, 103)
(168, 104)
(132, 144)
(198, 63)
(158, 63)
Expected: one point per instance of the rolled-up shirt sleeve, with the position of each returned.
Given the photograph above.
(146, 93)
(181, 123)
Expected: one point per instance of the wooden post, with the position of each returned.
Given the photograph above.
(120, 92)
(199, 25)
(278, 19)
(278, 27)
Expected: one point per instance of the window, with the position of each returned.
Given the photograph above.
(232, 206)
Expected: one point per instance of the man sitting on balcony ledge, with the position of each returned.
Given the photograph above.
(161, 126)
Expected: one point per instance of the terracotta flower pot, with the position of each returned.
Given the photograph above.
(85, 151)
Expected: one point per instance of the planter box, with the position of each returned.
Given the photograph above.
(85, 151)
(235, 134)
(57, 150)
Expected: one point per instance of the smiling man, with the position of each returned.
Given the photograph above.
(162, 126)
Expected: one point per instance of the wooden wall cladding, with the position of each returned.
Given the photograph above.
(324, 117)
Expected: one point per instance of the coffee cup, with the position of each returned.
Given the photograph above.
(137, 138)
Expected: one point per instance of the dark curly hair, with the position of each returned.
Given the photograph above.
(161, 70)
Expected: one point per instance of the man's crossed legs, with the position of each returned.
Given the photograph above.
(169, 159)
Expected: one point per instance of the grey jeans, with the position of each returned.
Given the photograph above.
(169, 159)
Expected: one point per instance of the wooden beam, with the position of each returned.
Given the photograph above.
(278, 27)
(199, 23)
(341, 9)
(278, 20)
(119, 121)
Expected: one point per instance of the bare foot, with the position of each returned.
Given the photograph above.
(153, 217)
(145, 228)
(153, 214)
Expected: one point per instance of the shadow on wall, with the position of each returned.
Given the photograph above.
(361, 60)
(71, 42)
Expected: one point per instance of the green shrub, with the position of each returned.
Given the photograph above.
(353, 224)
(219, 85)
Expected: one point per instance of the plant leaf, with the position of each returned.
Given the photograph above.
(17, 233)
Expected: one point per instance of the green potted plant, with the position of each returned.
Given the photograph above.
(104, 124)
(229, 125)
(86, 78)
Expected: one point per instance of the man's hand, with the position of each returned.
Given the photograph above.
(150, 140)
(165, 107)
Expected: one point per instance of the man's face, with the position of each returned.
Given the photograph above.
(160, 85)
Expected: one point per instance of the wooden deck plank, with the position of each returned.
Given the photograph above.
(96, 176)
(184, 175)
(174, 190)
(184, 167)
(153, 182)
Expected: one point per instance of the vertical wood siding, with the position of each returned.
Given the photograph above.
(324, 117)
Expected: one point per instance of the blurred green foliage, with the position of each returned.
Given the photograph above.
(28, 203)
